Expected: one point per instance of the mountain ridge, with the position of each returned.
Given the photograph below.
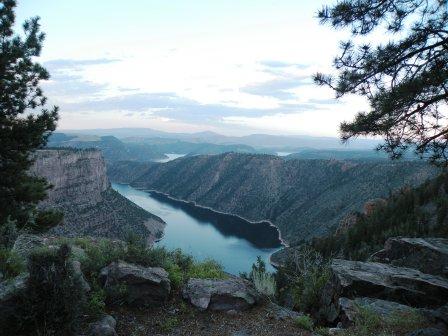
(303, 198)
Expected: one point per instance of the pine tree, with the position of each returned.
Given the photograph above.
(25, 121)
(404, 80)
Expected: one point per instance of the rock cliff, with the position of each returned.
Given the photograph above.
(81, 189)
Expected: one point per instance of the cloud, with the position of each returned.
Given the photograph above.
(174, 107)
(278, 87)
(58, 64)
(66, 85)
(281, 64)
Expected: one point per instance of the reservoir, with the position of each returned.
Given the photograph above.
(205, 234)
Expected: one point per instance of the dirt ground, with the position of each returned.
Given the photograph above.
(178, 318)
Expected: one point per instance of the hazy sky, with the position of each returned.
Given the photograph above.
(231, 66)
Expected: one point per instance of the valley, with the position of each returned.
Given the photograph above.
(303, 198)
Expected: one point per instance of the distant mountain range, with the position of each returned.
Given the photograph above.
(257, 141)
(304, 198)
(141, 149)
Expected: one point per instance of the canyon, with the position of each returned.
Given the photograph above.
(303, 198)
(82, 191)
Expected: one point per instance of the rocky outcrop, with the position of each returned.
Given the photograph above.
(349, 309)
(376, 280)
(81, 190)
(303, 198)
(143, 285)
(428, 255)
(232, 294)
(105, 326)
(355, 279)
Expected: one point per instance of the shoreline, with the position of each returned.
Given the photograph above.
(283, 243)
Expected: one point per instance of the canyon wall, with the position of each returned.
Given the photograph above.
(303, 198)
(82, 191)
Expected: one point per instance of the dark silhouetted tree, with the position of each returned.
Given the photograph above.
(25, 123)
(405, 80)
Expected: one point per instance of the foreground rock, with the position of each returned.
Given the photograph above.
(428, 255)
(143, 285)
(351, 279)
(105, 326)
(350, 308)
(233, 294)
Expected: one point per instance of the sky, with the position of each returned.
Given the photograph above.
(230, 66)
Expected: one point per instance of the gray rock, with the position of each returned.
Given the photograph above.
(229, 294)
(280, 313)
(428, 255)
(349, 308)
(368, 279)
(144, 285)
(103, 327)
(427, 332)
(26, 243)
(77, 269)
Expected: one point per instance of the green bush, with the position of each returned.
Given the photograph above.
(53, 301)
(208, 269)
(305, 275)
(11, 264)
(264, 282)
(96, 302)
(304, 322)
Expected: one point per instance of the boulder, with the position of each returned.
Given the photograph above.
(280, 313)
(77, 270)
(349, 309)
(225, 295)
(428, 255)
(26, 243)
(351, 279)
(105, 326)
(144, 285)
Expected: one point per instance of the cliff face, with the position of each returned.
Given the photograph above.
(81, 189)
(304, 198)
(78, 177)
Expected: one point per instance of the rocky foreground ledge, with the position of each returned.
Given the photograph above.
(151, 303)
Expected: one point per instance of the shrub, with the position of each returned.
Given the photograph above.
(305, 275)
(53, 301)
(208, 269)
(8, 234)
(11, 264)
(96, 302)
(169, 324)
(304, 322)
(264, 282)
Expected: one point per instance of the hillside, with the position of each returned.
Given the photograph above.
(304, 198)
(411, 212)
(82, 191)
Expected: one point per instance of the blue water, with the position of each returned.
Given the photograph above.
(205, 234)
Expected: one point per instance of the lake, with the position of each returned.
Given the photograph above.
(203, 233)
(170, 157)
